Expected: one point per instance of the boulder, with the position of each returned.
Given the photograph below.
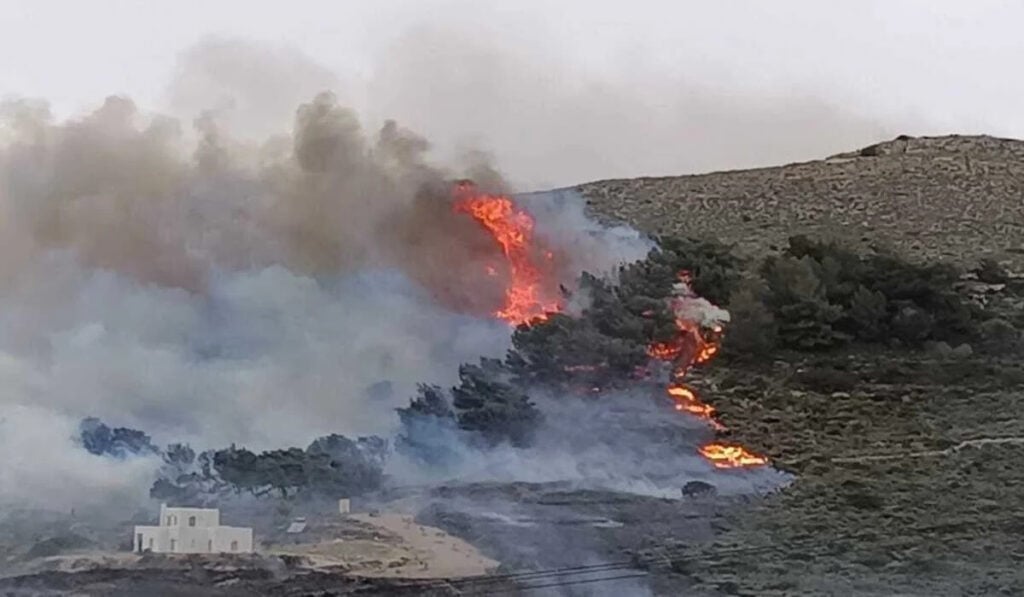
(698, 489)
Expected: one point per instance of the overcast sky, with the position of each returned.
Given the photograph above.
(558, 91)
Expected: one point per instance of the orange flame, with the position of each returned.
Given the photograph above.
(686, 400)
(730, 456)
(692, 345)
(526, 298)
(663, 351)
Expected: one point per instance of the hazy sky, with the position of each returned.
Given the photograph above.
(558, 91)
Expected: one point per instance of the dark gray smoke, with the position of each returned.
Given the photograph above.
(215, 287)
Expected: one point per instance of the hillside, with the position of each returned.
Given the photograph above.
(955, 197)
(906, 460)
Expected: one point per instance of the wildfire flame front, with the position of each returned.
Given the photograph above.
(693, 346)
(527, 296)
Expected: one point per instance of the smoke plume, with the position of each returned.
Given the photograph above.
(214, 287)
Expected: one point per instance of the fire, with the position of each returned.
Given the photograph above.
(527, 298)
(727, 456)
(697, 344)
(663, 351)
(686, 400)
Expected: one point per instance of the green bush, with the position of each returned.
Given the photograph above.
(868, 315)
(752, 329)
(487, 405)
(822, 295)
(805, 320)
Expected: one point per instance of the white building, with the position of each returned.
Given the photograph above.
(192, 530)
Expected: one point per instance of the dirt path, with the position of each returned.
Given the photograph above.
(400, 548)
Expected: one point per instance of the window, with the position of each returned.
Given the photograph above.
(150, 544)
(138, 542)
(169, 518)
(234, 546)
(174, 545)
(191, 521)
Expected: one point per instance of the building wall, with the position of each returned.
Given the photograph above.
(189, 517)
(152, 538)
(232, 540)
(192, 530)
(193, 540)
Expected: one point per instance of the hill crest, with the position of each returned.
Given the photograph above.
(953, 197)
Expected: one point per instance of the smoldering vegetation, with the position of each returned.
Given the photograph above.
(575, 399)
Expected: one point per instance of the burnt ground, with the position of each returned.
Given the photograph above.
(576, 542)
(200, 578)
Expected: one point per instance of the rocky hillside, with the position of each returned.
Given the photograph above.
(955, 197)
(907, 460)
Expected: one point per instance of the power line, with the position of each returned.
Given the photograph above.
(565, 584)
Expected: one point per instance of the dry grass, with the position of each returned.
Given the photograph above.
(957, 198)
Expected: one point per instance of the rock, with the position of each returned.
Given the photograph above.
(698, 489)
(942, 349)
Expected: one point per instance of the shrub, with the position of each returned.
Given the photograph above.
(120, 442)
(752, 328)
(912, 325)
(999, 336)
(868, 315)
(714, 269)
(827, 380)
(487, 405)
(990, 272)
(429, 430)
(822, 295)
(804, 317)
